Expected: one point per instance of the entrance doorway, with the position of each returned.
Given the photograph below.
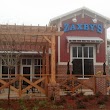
(26, 73)
(82, 60)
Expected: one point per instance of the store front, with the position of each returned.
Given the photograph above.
(84, 42)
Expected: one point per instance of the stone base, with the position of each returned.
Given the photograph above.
(54, 91)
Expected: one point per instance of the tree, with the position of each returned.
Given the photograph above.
(10, 55)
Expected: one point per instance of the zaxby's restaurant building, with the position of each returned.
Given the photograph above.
(84, 42)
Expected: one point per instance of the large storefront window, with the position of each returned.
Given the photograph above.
(82, 59)
(37, 67)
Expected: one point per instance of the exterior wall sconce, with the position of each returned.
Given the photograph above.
(95, 19)
(74, 19)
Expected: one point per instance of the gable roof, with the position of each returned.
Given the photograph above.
(83, 11)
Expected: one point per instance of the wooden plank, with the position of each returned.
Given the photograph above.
(31, 33)
(7, 84)
(47, 39)
(53, 63)
(36, 82)
(20, 86)
(43, 61)
(33, 84)
(28, 28)
(11, 87)
(47, 70)
(47, 61)
(30, 86)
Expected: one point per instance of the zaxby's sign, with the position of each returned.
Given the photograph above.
(83, 27)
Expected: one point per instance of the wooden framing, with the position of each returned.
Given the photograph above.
(20, 91)
(32, 38)
(71, 85)
(53, 69)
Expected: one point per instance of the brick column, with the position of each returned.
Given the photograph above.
(101, 85)
(54, 91)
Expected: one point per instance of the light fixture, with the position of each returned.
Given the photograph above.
(74, 19)
(95, 19)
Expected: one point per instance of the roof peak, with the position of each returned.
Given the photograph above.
(78, 11)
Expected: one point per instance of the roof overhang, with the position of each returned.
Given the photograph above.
(81, 11)
(78, 39)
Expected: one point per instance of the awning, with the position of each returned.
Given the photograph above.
(85, 40)
(77, 39)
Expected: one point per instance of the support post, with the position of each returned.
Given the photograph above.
(20, 86)
(47, 61)
(43, 66)
(47, 70)
(53, 69)
(94, 84)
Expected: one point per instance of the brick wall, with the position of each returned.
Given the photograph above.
(62, 69)
(100, 68)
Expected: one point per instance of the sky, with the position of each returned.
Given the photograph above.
(39, 12)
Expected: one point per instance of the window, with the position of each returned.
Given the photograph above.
(90, 52)
(26, 61)
(85, 51)
(82, 60)
(38, 67)
(5, 71)
(74, 51)
(79, 52)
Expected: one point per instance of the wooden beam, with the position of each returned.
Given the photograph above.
(47, 60)
(53, 62)
(43, 64)
(47, 69)
(31, 33)
(33, 84)
(45, 37)
(20, 86)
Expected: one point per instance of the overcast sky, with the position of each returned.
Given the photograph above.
(36, 12)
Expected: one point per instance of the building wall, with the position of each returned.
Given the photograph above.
(64, 57)
(62, 69)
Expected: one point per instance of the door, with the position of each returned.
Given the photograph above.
(26, 73)
(82, 60)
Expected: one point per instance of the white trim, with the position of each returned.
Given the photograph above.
(106, 47)
(83, 78)
(84, 39)
(83, 10)
(99, 64)
(58, 47)
(23, 52)
(63, 63)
